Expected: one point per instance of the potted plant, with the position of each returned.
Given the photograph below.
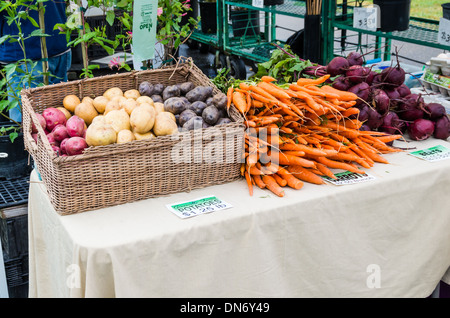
(14, 160)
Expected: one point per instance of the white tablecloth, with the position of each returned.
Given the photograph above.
(389, 237)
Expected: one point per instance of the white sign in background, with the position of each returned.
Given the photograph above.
(444, 31)
(258, 3)
(366, 18)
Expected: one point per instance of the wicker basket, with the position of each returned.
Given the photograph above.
(120, 173)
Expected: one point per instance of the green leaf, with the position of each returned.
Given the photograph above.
(110, 16)
(4, 38)
(13, 136)
(33, 22)
(38, 32)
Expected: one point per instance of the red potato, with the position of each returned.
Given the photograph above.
(53, 117)
(75, 126)
(60, 132)
(62, 145)
(42, 122)
(75, 146)
(52, 140)
(56, 149)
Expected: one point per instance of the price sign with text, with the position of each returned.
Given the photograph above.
(444, 31)
(258, 3)
(366, 18)
(436, 153)
(198, 206)
(347, 177)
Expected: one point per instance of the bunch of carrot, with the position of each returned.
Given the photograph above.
(299, 132)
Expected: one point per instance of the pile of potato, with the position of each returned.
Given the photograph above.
(193, 106)
(119, 116)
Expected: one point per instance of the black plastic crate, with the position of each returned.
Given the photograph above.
(14, 233)
(14, 192)
(17, 274)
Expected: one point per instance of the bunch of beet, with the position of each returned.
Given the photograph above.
(386, 104)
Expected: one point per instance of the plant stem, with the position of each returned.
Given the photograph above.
(44, 51)
(82, 32)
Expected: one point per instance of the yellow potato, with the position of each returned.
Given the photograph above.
(87, 99)
(98, 119)
(113, 91)
(168, 114)
(86, 111)
(118, 119)
(70, 102)
(100, 134)
(132, 93)
(144, 99)
(118, 98)
(148, 135)
(129, 105)
(164, 125)
(148, 107)
(125, 136)
(142, 120)
(65, 111)
(99, 103)
(159, 107)
(111, 105)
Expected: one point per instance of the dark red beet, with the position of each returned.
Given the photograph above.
(357, 73)
(380, 101)
(375, 119)
(411, 107)
(421, 129)
(393, 76)
(337, 66)
(394, 96)
(434, 111)
(362, 90)
(403, 90)
(392, 124)
(355, 58)
(370, 77)
(364, 127)
(442, 128)
(341, 83)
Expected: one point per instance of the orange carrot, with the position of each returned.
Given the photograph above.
(281, 182)
(285, 160)
(313, 81)
(343, 95)
(389, 138)
(305, 149)
(278, 93)
(324, 169)
(249, 183)
(291, 180)
(350, 111)
(239, 101)
(229, 96)
(258, 181)
(294, 153)
(266, 78)
(339, 165)
(272, 185)
(313, 92)
(305, 175)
